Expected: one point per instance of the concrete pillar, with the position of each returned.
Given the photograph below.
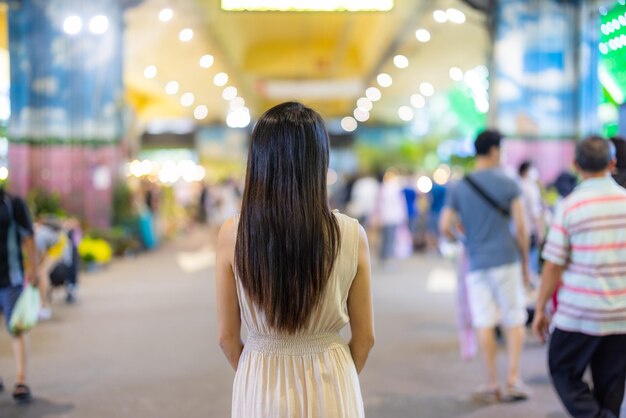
(67, 102)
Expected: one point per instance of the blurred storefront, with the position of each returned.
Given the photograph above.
(97, 87)
(66, 102)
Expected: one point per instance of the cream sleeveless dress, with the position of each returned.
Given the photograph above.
(310, 374)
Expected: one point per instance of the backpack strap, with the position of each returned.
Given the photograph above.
(492, 202)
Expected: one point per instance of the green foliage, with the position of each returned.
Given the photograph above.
(407, 155)
(122, 240)
(44, 203)
(123, 213)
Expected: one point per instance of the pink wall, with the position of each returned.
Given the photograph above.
(551, 157)
(79, 174)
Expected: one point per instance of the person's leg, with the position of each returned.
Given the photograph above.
(509, 290)
(484, 317)
(387, 245)
(514, 345)
(489, 350)
(608, 370)
(21, 393)
(45, 268)
(568, 357)
(19, 352)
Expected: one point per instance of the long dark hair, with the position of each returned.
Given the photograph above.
(288, 238)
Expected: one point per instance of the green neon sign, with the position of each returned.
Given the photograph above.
(612, 48)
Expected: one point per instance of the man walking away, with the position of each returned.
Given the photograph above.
(484, 204)
(586, 249)
(16, 229)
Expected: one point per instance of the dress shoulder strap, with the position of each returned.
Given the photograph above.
(349, 228)
(235, 224)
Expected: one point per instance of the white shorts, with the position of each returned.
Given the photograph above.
(497, 295)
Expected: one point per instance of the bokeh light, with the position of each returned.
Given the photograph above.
(349, 124)
(424, 184)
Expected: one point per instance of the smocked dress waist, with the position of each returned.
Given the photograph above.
(295, 345)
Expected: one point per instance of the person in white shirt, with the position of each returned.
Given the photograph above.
(533, 210)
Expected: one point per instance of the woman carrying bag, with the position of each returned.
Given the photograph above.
(18, 271)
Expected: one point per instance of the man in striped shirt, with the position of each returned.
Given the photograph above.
(586, 250)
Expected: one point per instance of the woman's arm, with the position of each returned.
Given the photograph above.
(360, 307)
(228, 314)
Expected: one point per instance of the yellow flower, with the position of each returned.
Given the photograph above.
(95, 249)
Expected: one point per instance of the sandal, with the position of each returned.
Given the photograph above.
(516, 392)
(485, 394)
(22, 393)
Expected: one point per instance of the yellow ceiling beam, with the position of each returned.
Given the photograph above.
(291, 60)
(308, 5)
(148, 106)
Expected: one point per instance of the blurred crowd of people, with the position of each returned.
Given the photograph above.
(402, 219)
(399, 217)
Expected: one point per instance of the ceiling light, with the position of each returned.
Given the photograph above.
(237, 103)
(238, 118)
(166, 15)
(384, 80)
(427, 89)
(99, 24)
(482, 71)
(418, 101)
(349, 124)
(405, 113)
(200, 112)
(455, 16)
(220, 79)
(229, 93)
(172, 87)
(187, 99)
(308, 5)
(206, 61)
(72, 25)
(604, 49)
(422, 35)
(424, 184)
(456, 74)
(440, 16)
(400, 61)
(150, 71)
(185, 35)
(364, 104)
(373, 94)
(200, 173)
(361, 115)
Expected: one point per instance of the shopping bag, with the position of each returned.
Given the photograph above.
(465, 330)
(26, 310)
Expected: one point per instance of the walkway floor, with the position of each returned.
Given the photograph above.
(141, 342)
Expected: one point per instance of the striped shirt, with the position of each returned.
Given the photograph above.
(588, 237)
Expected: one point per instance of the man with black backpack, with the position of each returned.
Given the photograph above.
(16, 233)
(485, 207)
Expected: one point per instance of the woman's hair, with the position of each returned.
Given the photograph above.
(288, 238)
